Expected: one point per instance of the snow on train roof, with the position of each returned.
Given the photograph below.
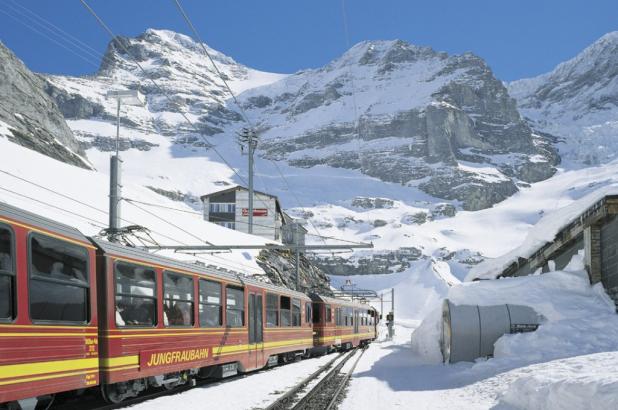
(143, 255)
(37, 221)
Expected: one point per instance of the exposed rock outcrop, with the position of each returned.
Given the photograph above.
(33, 117)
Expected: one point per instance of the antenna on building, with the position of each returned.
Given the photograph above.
(248, 136)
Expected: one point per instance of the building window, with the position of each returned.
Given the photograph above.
(136, 295)
(235, 307)
(295, 312)
(7, 276)
(177, 300)
(229, 225)
(58, 280)
(272, 310)
(285, 307)
(307, 312)
(211, 312)
(223, 208)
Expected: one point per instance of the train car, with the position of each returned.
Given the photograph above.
(48, 311)
(341, 324)
(164, 322)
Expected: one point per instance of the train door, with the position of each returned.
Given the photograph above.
(356, 320)
(256, 329)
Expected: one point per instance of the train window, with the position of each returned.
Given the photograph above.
(307, 312)
(286, 310)
(316, 313)
(235, 307)
(272, 310)
(58, 280)
(329, 317)
(177, 300)
(338, 321)
(136, 295)
(211, 312)
(7, 276)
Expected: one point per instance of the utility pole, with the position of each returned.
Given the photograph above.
(297, 243)
(249, 137)
(392, 328)
(130, 97)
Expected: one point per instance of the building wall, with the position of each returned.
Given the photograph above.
(268, 226)
(609, 257)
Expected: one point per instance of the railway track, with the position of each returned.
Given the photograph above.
(93, 401)
(326, 393)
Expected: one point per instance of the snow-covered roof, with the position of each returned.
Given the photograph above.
(544, 232)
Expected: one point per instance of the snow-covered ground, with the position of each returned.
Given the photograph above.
(79, 198)
(570, 362)
(253, 391)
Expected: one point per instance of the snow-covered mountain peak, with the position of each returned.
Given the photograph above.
(382, 52)
(578, 101)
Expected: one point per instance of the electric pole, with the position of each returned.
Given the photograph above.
(130, 97)
(248, 137)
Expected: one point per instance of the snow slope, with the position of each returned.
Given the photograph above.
(70, 184)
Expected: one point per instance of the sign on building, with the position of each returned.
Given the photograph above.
(256, 212)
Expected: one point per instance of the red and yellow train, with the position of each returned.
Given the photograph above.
(79, 313)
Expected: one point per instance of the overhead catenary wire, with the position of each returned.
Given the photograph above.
(53, 29)
(101, 225)
(237, 222)
(96, 223)
(58, 43)
(131, 202)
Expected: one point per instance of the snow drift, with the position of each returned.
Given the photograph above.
(580, 318)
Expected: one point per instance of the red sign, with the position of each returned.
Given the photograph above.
(166, 357)
(256, 212)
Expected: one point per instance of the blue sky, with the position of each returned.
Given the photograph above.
(518, 38)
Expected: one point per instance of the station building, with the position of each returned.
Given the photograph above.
(230, 208)
(595, 232)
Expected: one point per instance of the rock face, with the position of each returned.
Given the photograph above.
(33, 117)
(378, 263)
(279, 266)
(442, 123)
(578, 102)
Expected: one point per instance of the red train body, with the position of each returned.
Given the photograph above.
(78, 312)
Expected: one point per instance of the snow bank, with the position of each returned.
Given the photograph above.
(584, 382)
(581, 319)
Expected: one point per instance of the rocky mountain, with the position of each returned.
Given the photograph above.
(578, 102)
(187, 81)
(408, 115)
(32, 117)
(399, 113)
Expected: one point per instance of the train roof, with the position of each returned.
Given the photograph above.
(145, 256)
(12, 213)
(325, 299)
